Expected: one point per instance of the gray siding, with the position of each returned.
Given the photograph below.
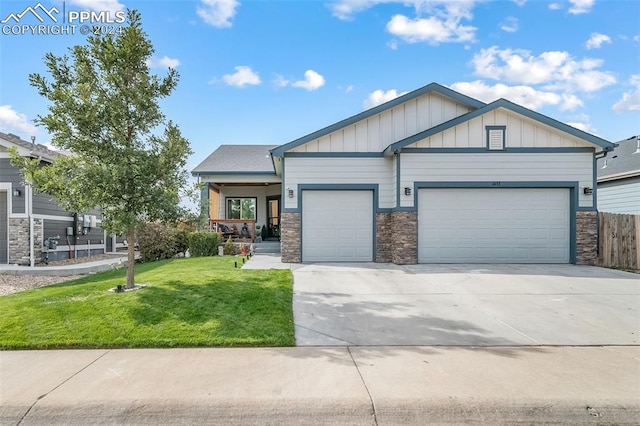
(3, 227)
(12, 175)
(54, 228)
(45, 204)
(621, 196)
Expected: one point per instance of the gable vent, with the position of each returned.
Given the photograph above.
(495, 137)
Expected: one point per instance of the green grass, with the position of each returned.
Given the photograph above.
(187, 303)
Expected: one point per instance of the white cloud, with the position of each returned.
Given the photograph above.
(555, 69)
(526, 96)
(585, 127)
(349, 89)
(580, 6)
(244, 76)
(218, 13)
(596, 40)
(312, 81)
(630, 101)
(164, 62)
(436, 21)
(555, 6)
(510, 25)
(98, 5)
(280, 81)
(520, 2)
(393, 44)
(379, 97)
(431, 30)
(13, 121)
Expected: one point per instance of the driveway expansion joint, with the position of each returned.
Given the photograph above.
(58, 386)
(373, 405)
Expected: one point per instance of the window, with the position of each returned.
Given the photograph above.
(496, 137)
(241, 208)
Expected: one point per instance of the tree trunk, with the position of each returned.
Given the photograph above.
(131, 261)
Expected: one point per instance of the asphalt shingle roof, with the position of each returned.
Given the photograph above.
(238, 158)
(621, 160)
(36, 149)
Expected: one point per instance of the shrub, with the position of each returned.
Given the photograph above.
(157, 241)
(229, 248)
(203, 244)
(263, 233)
(182, 240)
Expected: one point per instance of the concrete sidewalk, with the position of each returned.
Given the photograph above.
(321, 385)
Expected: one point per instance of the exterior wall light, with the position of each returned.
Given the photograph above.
(290, 191)
(587, 191)
(16, 192)
(407, 190)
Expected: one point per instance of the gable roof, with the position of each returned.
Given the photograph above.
(623, 162)
(501, 103)
(432, 87)
(237, 159)
(35, 150)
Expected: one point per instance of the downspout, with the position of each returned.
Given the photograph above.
(29, 209)
(595, 192)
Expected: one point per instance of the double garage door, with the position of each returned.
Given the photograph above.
(491, 225)
(455, 225)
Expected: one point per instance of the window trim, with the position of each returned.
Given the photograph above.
(488, 137)
(226, 207)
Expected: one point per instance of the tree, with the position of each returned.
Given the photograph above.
(104, 110)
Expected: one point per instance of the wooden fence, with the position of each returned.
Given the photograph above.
(619, 240)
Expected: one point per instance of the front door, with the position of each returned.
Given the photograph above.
(273, 217)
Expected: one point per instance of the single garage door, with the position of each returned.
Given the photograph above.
(477, 225)
(337, 226)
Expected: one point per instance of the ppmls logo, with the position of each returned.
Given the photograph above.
(53, 22)
(49, 13)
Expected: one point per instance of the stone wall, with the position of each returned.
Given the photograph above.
(384, 234)
(19, 240)
(404, 238)
(290, 234)
(586, 238)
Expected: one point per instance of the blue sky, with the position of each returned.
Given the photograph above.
(270, 72)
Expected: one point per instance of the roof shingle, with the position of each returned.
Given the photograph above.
(238, 159)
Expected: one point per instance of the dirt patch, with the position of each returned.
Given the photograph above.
(15, 283)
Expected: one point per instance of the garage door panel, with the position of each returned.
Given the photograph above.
(465, 225)
(337, 226)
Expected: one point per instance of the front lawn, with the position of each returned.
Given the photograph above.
(187, 302)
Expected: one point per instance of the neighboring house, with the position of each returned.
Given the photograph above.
(619, 179)
(430, 177)
(21, 209)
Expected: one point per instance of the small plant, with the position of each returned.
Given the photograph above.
(229, 248)
(263, 232)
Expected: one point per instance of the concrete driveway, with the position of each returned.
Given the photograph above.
(467, 305)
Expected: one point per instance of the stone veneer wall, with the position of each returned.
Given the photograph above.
(384, 237)
(19, 240)
(586, 237)
(404, 239)
(290, 237)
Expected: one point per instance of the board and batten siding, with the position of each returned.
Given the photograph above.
(521, 132)
(10, 174)
(620, 196)
(341, 171)
(497, 167)
(377, 132)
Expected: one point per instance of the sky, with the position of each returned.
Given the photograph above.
(269, 72)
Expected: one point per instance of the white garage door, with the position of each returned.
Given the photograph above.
(465, 225)
(337, 226)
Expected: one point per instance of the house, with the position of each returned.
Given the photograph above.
(21, 209)
(432, 176)
(619, 179)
